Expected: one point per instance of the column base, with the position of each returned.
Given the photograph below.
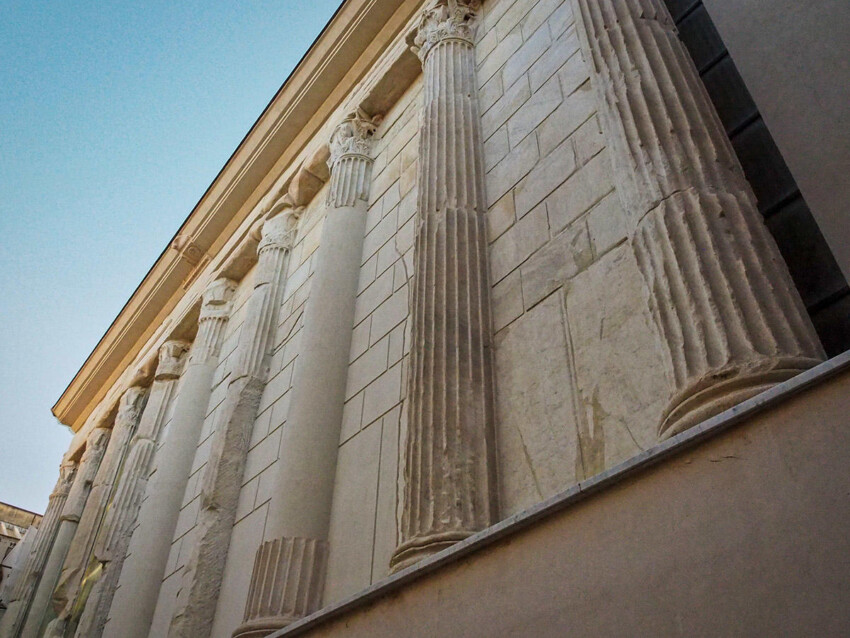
(261, 627)
(421, 547)
(725, 388)
(286, 584)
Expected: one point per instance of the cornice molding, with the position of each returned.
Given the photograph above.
(361, 30)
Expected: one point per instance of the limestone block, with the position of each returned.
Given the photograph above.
(518, 243)
(500, 216)
(515, 95)
(526, 55)
(542, 102)
(583, 189)
(535, 407)
(496, 147)
(561, 50)
(621, 373)
(559, 261)
(382, 394)
(539, 14)
(503, 51)
(385, 515)
(507, 301)
(511, 169)
(547, 175)
(353, 515)
(574, 111)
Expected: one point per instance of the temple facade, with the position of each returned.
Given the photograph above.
(505, 318)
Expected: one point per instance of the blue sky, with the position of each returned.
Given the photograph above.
(114, 119)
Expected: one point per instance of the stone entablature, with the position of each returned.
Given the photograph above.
(478, 273)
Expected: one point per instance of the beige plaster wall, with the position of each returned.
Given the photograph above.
(742, 535)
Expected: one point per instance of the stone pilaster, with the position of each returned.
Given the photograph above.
(134, 602)
(289, 569)
(80, 551)
(114, 535)
(731, 321)
(449, 488)
(222, 477)
(31, 570)
(72, 511)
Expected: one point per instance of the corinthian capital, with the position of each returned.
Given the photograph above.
(279, 231)
(131, 405)
(445, 20)
(171, 359)
(351, 136)
(215, 300)
(67, 471)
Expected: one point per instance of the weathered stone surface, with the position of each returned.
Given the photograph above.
(619, 366)
(134, 602)
(289, 569)
(450, 483)
(222, 479)
(114, 535)
(77, 562)
(75, 503)
(730, 319)
(535, 407)
(27, 579)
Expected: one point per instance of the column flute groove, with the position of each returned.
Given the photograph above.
(134, 602)
(450, 489)
(731, 322)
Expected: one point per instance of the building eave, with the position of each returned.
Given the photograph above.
(355, 37)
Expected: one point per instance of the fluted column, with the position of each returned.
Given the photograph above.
(31, 570)
(289, 568)
(222, 479)
(114, 535)
(80, 552)
(72, 511)
(134, 602)
(449, 488)
(731, 321)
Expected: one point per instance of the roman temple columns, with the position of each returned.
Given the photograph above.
(114, 535)
(134, 603)
(77, 560)
(449, 489)
(27, 580)
(71, 512)
(222, 477)
(289, 568)
(731, 321)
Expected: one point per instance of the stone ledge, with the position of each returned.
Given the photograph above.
(704, 431)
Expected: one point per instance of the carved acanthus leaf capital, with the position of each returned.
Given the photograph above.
(171, 358)
(215, 302)
(67, 471)
(131, 405)
(280, 230)
(444, 20)
(351, 136)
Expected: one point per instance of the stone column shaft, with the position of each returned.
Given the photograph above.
(114, 536)
(134, 602)
(27, 579)
(449, 489)
(222, 479)
(289, 568)
(71, 513)
(731, 321)
(80, 551)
